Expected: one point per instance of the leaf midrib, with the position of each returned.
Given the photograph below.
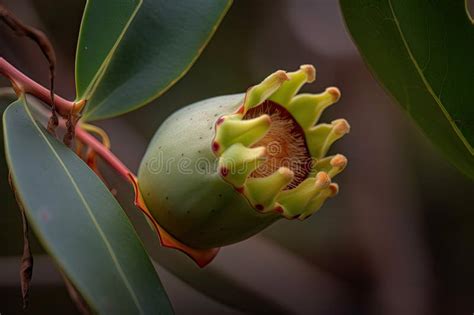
(89, 113)
(88, 208)
(426, 83)
(103, 67)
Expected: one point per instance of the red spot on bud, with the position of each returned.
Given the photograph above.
(215, 146)
(259, 207)
(240, 189)
(219, 121)
(279, 209)
(224, 171)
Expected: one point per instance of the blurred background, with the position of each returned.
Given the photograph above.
(399, 239)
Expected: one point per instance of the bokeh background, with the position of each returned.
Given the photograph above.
(399, 239)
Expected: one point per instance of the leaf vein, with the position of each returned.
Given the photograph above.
(426, 83)
(88, 208)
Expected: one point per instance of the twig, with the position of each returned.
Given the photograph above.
(21, 29)
(107, 155)
(23, 84)
(26, 266)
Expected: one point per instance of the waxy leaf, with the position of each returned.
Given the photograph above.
(78, 221)
(419, 51)
(103, 24)
(156, 48)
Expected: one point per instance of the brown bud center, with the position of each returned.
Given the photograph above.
(285, 143)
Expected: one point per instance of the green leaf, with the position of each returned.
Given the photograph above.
(78, 221)
(418, 50)
(157, 48)
(103, 25)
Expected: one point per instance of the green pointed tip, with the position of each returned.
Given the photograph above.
(322, 136)
(238, 161)
(338, 164)
(334, 190)
(283, 96)
(332, 165)
(262, 192)
(294, 202)
(318, 201)
(335, 94)
(341, 127)
(310, 72)
(260, 92)
(322, 181)
(247, 132)
(307, 108)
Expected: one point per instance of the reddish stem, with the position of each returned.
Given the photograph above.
(104, 153)
(23, 84)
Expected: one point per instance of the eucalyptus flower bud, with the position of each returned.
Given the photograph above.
(223, 169)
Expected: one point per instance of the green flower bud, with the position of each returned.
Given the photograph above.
(223, 169)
